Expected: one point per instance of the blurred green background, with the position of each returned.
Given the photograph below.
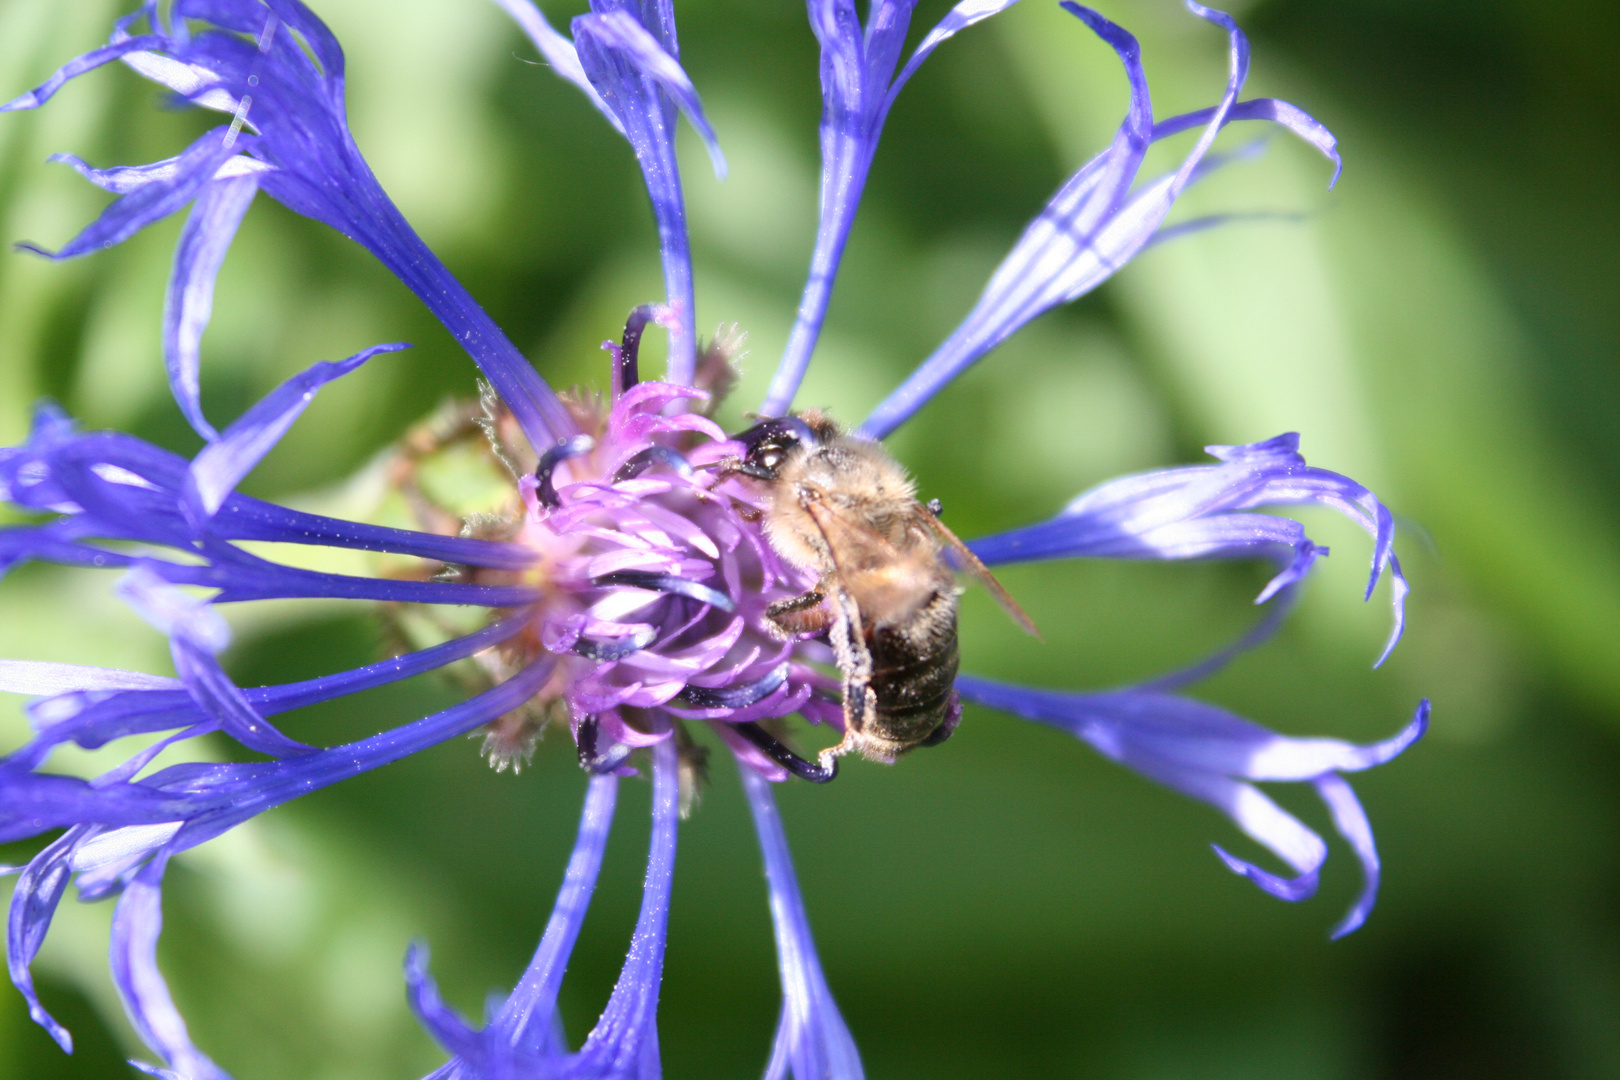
(1442, 326)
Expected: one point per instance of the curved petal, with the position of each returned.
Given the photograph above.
(1212, 755)
(224, 462)
(189, 303)
(137, 923)
(33, 904)
(1198, 512)
(558, 51)
(624, 1042)
(1091, 228)
(812, 1042)
(193, 170)
(527, 1019)
(1084, 227)
(91, 60)
(620, 63)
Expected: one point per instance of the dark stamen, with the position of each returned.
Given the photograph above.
(666, 583)
(935, 507)
(626, 371)
(545, 491)
(735, 697)
(766, 744)
(618, 648)
(589, 759)
(646, 459)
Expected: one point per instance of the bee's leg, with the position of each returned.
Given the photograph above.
(855, 661)
(800, 615)
(947, 726)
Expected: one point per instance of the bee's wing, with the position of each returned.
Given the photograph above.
(971, 565)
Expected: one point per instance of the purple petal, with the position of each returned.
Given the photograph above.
(813, 1040)
(137, 923)
(223, 463)
(624, 1042)
(558, 51)
(189, 302)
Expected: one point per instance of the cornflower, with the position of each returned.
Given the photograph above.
(628, 591)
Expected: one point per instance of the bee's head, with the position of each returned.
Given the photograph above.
(770, 443)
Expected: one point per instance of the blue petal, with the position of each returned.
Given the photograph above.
(559, 52)
(291, 103)
(620, 32)
(959, 18)
(448, 1029)
(189, 303)
(857, 93)
(196, 636)
(33, 904)
(137, 923)
(78, 66)
(1212, 755)
(812, 1042)
(616, 59)
(1091, 228)
(123, 179)
(524, 1035)
(223, 463)
(624, 1042)
(527, 1019)
(1078, 240)
(42, 679)
(155, 200)
(1197, 512)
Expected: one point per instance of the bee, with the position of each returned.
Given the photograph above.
(886, 596)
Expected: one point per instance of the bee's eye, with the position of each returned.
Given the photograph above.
(771, 459)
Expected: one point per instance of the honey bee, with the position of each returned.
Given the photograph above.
(841, 507)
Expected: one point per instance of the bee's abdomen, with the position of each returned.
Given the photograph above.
(913, 671)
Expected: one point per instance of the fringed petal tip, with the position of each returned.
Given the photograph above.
(1305, 557)
(1293, 889)
(440, 1021)
(622, 33)
(62, 1036)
